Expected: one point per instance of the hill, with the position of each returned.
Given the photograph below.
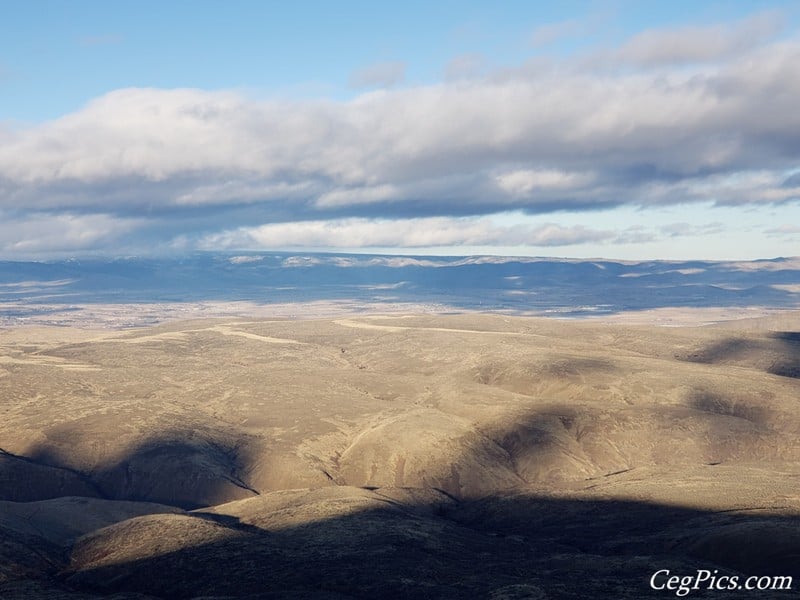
(396, 456)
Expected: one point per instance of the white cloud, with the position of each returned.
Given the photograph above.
(542, 138)
(742, 188)
(54, 233)
(406, 233)
(528, 181)
(362, 195)
(241, 260)
(639, 135)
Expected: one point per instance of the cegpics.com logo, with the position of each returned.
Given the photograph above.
(702, 579)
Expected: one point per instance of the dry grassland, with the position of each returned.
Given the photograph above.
(396, 456)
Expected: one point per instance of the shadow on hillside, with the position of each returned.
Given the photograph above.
(499, 547)
(512, 544)
(184, 470)
(778, 353)
(24, 479)
(789, 364)
(728, 406)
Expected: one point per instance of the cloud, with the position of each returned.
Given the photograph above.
(241, 260)
(643, 140)
(784, 230)
(386, 74)
(188, 147)
(406, 233)
(359, 195)
(635, 234)
(542, 138)
(43, 233)
(687, 229)
(738, 188)
(525, 182)
(699, 43)
(244, 191)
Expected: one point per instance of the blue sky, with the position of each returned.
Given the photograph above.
(619, 129)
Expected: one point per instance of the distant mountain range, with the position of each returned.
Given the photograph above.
(526, 285)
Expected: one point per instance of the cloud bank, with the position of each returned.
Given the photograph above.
(679, 116)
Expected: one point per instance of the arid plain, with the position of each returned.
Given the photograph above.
(387, 456)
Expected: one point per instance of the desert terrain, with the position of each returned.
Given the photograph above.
(407, 456)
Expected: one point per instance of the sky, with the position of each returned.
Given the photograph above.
(628, 130)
